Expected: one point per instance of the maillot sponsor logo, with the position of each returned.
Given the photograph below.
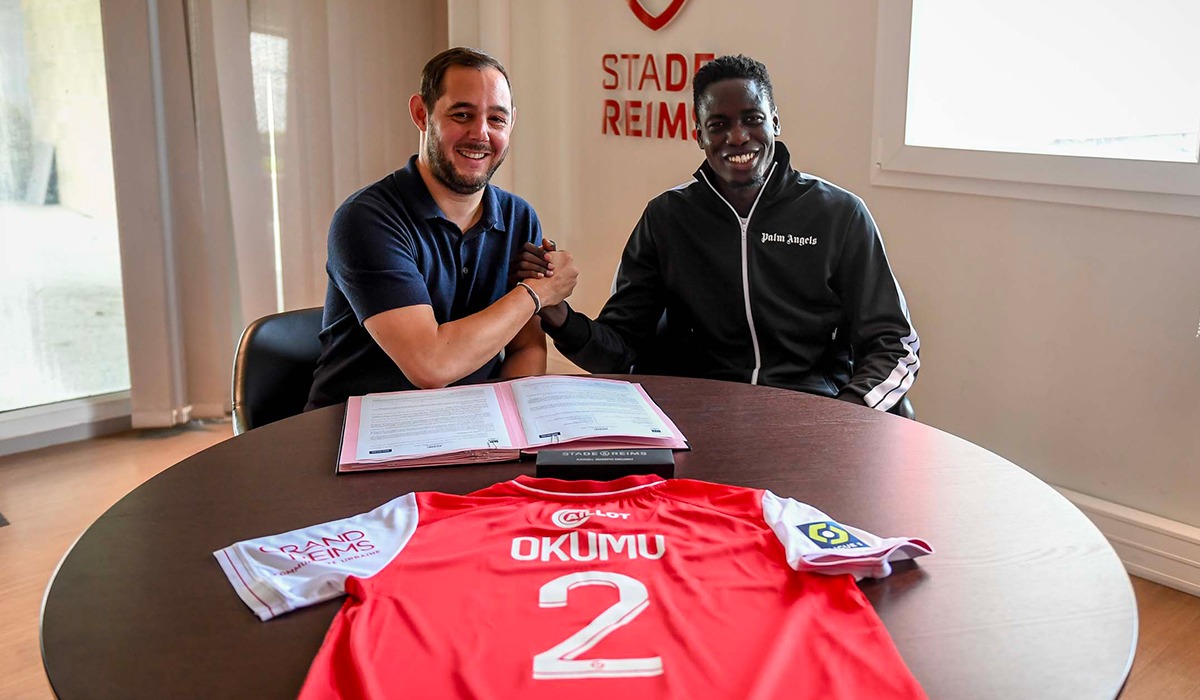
(788, 239)
(327, 549)
(568, 518)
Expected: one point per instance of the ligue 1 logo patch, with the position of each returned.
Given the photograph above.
(827, 534)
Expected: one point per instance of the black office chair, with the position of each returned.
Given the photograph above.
(904, 408)
(273, 368)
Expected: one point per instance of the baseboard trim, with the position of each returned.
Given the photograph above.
(1150, 546)
(64, 434)
(201, 411)
(36, 427)
(162, 418)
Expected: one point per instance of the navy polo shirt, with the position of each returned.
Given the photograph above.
(390, 246)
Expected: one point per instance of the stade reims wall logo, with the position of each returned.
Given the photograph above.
(640, 102)
(656, 22)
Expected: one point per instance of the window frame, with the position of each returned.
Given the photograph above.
(1155, 186)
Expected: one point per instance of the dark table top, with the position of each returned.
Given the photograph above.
(1023, 599)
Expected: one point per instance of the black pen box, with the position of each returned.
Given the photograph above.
(604, 465)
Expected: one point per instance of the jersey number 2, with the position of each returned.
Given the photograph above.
(560, 660)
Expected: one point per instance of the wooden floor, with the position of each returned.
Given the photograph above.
(50, 496)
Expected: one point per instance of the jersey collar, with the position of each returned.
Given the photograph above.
(562, 489)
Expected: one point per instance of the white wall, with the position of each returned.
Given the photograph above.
(1061, 337)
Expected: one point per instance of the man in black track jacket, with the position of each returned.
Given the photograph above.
(766, 275)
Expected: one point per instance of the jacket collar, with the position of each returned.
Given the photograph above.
(783, 164)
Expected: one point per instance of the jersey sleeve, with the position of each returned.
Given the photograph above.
(280, 573)
(814, 542)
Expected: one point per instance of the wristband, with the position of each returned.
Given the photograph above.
(537, 301)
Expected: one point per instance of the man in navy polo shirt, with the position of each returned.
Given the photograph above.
(418, 294)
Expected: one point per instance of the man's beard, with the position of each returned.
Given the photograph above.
(443, 169)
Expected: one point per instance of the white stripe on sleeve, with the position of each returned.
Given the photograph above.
(816, 543)
(279, 573)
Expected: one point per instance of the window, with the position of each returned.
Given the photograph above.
(1085, 101)
(61, 304)
(269, 68)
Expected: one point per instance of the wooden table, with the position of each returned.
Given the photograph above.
(1023, 599)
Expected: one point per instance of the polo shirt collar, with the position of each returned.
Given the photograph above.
(422, 204)
(491, 219)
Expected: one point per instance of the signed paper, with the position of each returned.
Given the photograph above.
(557, 409)
(409, 423)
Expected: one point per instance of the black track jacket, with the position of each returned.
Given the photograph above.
(801, 296)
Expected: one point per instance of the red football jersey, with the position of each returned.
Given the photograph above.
(540, 588)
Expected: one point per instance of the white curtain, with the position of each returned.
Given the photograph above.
(350, 69)
(210, 239)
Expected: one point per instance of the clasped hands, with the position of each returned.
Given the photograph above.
(551, 273)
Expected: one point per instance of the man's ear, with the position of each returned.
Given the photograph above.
(696, 135)
(416, 110)
(775, 121)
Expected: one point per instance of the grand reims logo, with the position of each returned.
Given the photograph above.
(656, 22)
(326, 548)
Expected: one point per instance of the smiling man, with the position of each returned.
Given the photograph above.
(766, 275)
(418, 293)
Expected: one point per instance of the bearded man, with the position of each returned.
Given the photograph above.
(418, 293)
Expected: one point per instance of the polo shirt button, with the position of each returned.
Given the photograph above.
(466, 270)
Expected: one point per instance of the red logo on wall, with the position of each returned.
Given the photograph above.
(662, 19)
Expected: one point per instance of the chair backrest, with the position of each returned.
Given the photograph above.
(904, 408)
(273, 368)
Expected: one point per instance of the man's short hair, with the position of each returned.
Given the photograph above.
(726, 67)
(432, 83)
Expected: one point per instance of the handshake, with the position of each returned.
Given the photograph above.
(551, 273)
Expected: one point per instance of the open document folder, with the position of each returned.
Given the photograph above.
(497, 422)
